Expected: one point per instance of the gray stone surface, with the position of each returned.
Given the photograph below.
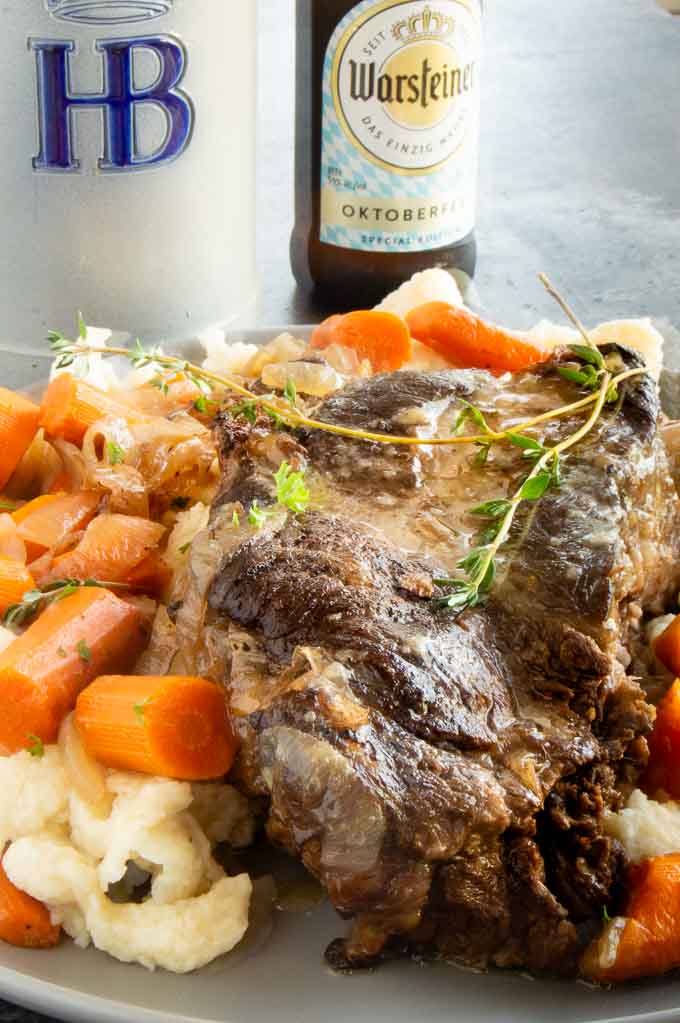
(580, 167)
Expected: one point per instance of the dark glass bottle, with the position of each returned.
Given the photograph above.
(386, 143)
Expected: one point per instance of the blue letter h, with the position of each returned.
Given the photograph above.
(118, 100)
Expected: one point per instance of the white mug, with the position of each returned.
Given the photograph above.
(127, 168)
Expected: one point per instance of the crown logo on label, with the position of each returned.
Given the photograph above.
(108, 12)
(428, 24)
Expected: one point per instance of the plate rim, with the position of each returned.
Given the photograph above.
(28, 991)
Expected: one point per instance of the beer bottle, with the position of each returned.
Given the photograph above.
(386, 143)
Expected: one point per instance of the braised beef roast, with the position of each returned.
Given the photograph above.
(445, 778)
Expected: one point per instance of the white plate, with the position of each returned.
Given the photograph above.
(282, 978)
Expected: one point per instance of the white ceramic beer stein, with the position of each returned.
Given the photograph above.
(127, 175)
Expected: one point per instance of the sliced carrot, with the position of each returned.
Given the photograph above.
(151, 576)
(470, 342)
(663, 769)
(667, 646)
(47, 520)
(70, 407)
(645, 942)
(15, 580)
(113, 546)
(74, 640)
(382, 338)
(24, 921)
(11, 544)
(175, 727)
(18, 426)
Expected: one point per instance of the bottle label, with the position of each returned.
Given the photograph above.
(401, 126)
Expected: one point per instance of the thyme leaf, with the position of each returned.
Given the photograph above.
(140, 708)
(291, 491)
(290, 391)
(84, 651)
(257, 516)
(36, 600)
(115, 453)
(470, 414)
(36, 747)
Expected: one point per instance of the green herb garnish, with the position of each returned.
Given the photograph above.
(257, 516)
(291, 491)
(36, 747)
(35, 600)
(139, 708)
(115, 453)
(84, 651)
(290, 391)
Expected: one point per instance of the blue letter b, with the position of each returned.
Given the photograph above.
(118, 101)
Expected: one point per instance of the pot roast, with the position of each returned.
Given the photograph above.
(444, 777)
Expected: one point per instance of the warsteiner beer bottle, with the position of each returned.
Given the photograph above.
(387, 143)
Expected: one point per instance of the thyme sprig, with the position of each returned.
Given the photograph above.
(281, 410)
(479, 565)
(36, 600)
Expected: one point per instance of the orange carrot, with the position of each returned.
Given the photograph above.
(70, 407)
(74, 640)
(47, 520)
(18, 426)
(663, 769)
(175, 727)
(469, 342)
(24, 921)
(382, 338)
(11, 544)
(151, 575)
(667, 646)
(113, 546)
(645, 942)
(15, 580)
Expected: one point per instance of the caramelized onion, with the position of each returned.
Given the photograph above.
(86, 776)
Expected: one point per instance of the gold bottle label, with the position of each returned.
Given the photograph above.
(401, 125)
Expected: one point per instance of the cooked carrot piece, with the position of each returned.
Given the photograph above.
(151, 575)
(175, 727)
(18, 426)
(469, 342)
(113, 546)
(11, 544)
(47, 520)
(24, 921)
(645, 942)
(73, 641)
(15, 580)
(667, 646)
(663, 769)
(70, 407)
(382, 338)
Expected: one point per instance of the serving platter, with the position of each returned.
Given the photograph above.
(279, 973)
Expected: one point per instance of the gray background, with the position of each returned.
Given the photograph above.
(580, 160)
(580, 167)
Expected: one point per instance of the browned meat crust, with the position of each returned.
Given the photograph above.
(445, 779)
